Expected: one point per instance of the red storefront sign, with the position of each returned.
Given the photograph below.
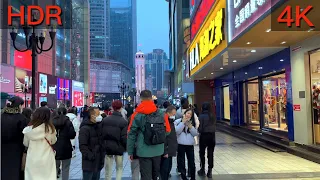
(200, 15)
(296, 107)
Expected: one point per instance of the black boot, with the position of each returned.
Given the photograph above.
(201, 172)
(209, 174)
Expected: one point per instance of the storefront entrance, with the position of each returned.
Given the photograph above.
(315, 84)
(272, 92)
(274, 102)
(251, 104)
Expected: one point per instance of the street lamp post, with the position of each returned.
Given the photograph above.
(134, 91)
(64, 96)
(33, 45)
(123, 88)
(25, 95)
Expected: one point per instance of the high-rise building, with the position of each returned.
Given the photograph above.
(123, 31)
(80, 43)
(140, 72)
(156, 65)
(99, 28)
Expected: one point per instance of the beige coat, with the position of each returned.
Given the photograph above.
(40, 161)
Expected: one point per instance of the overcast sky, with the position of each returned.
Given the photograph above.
(153, 25)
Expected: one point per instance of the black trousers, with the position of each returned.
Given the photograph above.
(184, 150)
(150, 168)
(166, 166)
(207, 141)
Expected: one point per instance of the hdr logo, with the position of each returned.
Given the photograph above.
(51, 13)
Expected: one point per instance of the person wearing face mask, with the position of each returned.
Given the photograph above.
(170, 146)
(91, 145)
(12, 124)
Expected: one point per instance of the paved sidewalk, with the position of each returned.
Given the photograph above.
(235, 159)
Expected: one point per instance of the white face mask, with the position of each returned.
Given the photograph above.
(172, 117)
(99, 118)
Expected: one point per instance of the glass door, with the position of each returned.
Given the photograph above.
(315, 83)
(252, 106)
(274, 102)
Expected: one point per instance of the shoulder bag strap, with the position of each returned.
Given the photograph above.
(49, 144)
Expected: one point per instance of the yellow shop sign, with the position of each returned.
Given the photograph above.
(210, 40)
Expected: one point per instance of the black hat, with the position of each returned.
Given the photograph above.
(16, 101)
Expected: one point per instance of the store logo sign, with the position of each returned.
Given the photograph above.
(77, 84)
(4, 80)
(52, 89)
(210, 40)
(64, 89)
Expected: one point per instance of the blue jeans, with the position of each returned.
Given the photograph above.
(87, 175)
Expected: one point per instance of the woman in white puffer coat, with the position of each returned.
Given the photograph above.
(76, 124)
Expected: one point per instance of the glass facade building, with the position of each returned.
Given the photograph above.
(123, 31)
(99, 28)
(106, 75)
(156, 65)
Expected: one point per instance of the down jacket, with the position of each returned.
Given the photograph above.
(91, 146)
(114, 129)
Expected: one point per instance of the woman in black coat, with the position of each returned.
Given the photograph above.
(12, 124)
(63, 147)
(207, 130)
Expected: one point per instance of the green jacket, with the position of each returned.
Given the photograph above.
(135, 133)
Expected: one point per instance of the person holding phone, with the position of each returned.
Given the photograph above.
(186, 131)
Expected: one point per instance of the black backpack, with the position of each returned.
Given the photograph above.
(155, 132)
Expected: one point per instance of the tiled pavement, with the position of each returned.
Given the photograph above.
(235, 159)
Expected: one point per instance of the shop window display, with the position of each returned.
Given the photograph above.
(226, 103)
(315, 81)
(253, 102)
(274, 102)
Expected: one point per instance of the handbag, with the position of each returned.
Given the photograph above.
(50, 145)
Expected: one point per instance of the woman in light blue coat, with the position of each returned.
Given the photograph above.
(186, 131)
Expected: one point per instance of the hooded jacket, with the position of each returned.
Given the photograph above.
(136, 128)
(91, 146)
(40, 161)
(65, 132)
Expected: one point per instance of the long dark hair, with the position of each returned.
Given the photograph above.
(193, 122)
(206, 109)
(27, 112)
(42, 116)
(60, 116)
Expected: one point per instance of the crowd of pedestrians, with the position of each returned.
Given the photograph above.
(40, 144)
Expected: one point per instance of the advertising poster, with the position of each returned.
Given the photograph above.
(23, 59)
(63, 89)
(78, 98)
(7, 79)
(23, 79)
(43, 83)
(77, 93)
(52, 91)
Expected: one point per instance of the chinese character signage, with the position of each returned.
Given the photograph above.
(210, 41)
(243, 13)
